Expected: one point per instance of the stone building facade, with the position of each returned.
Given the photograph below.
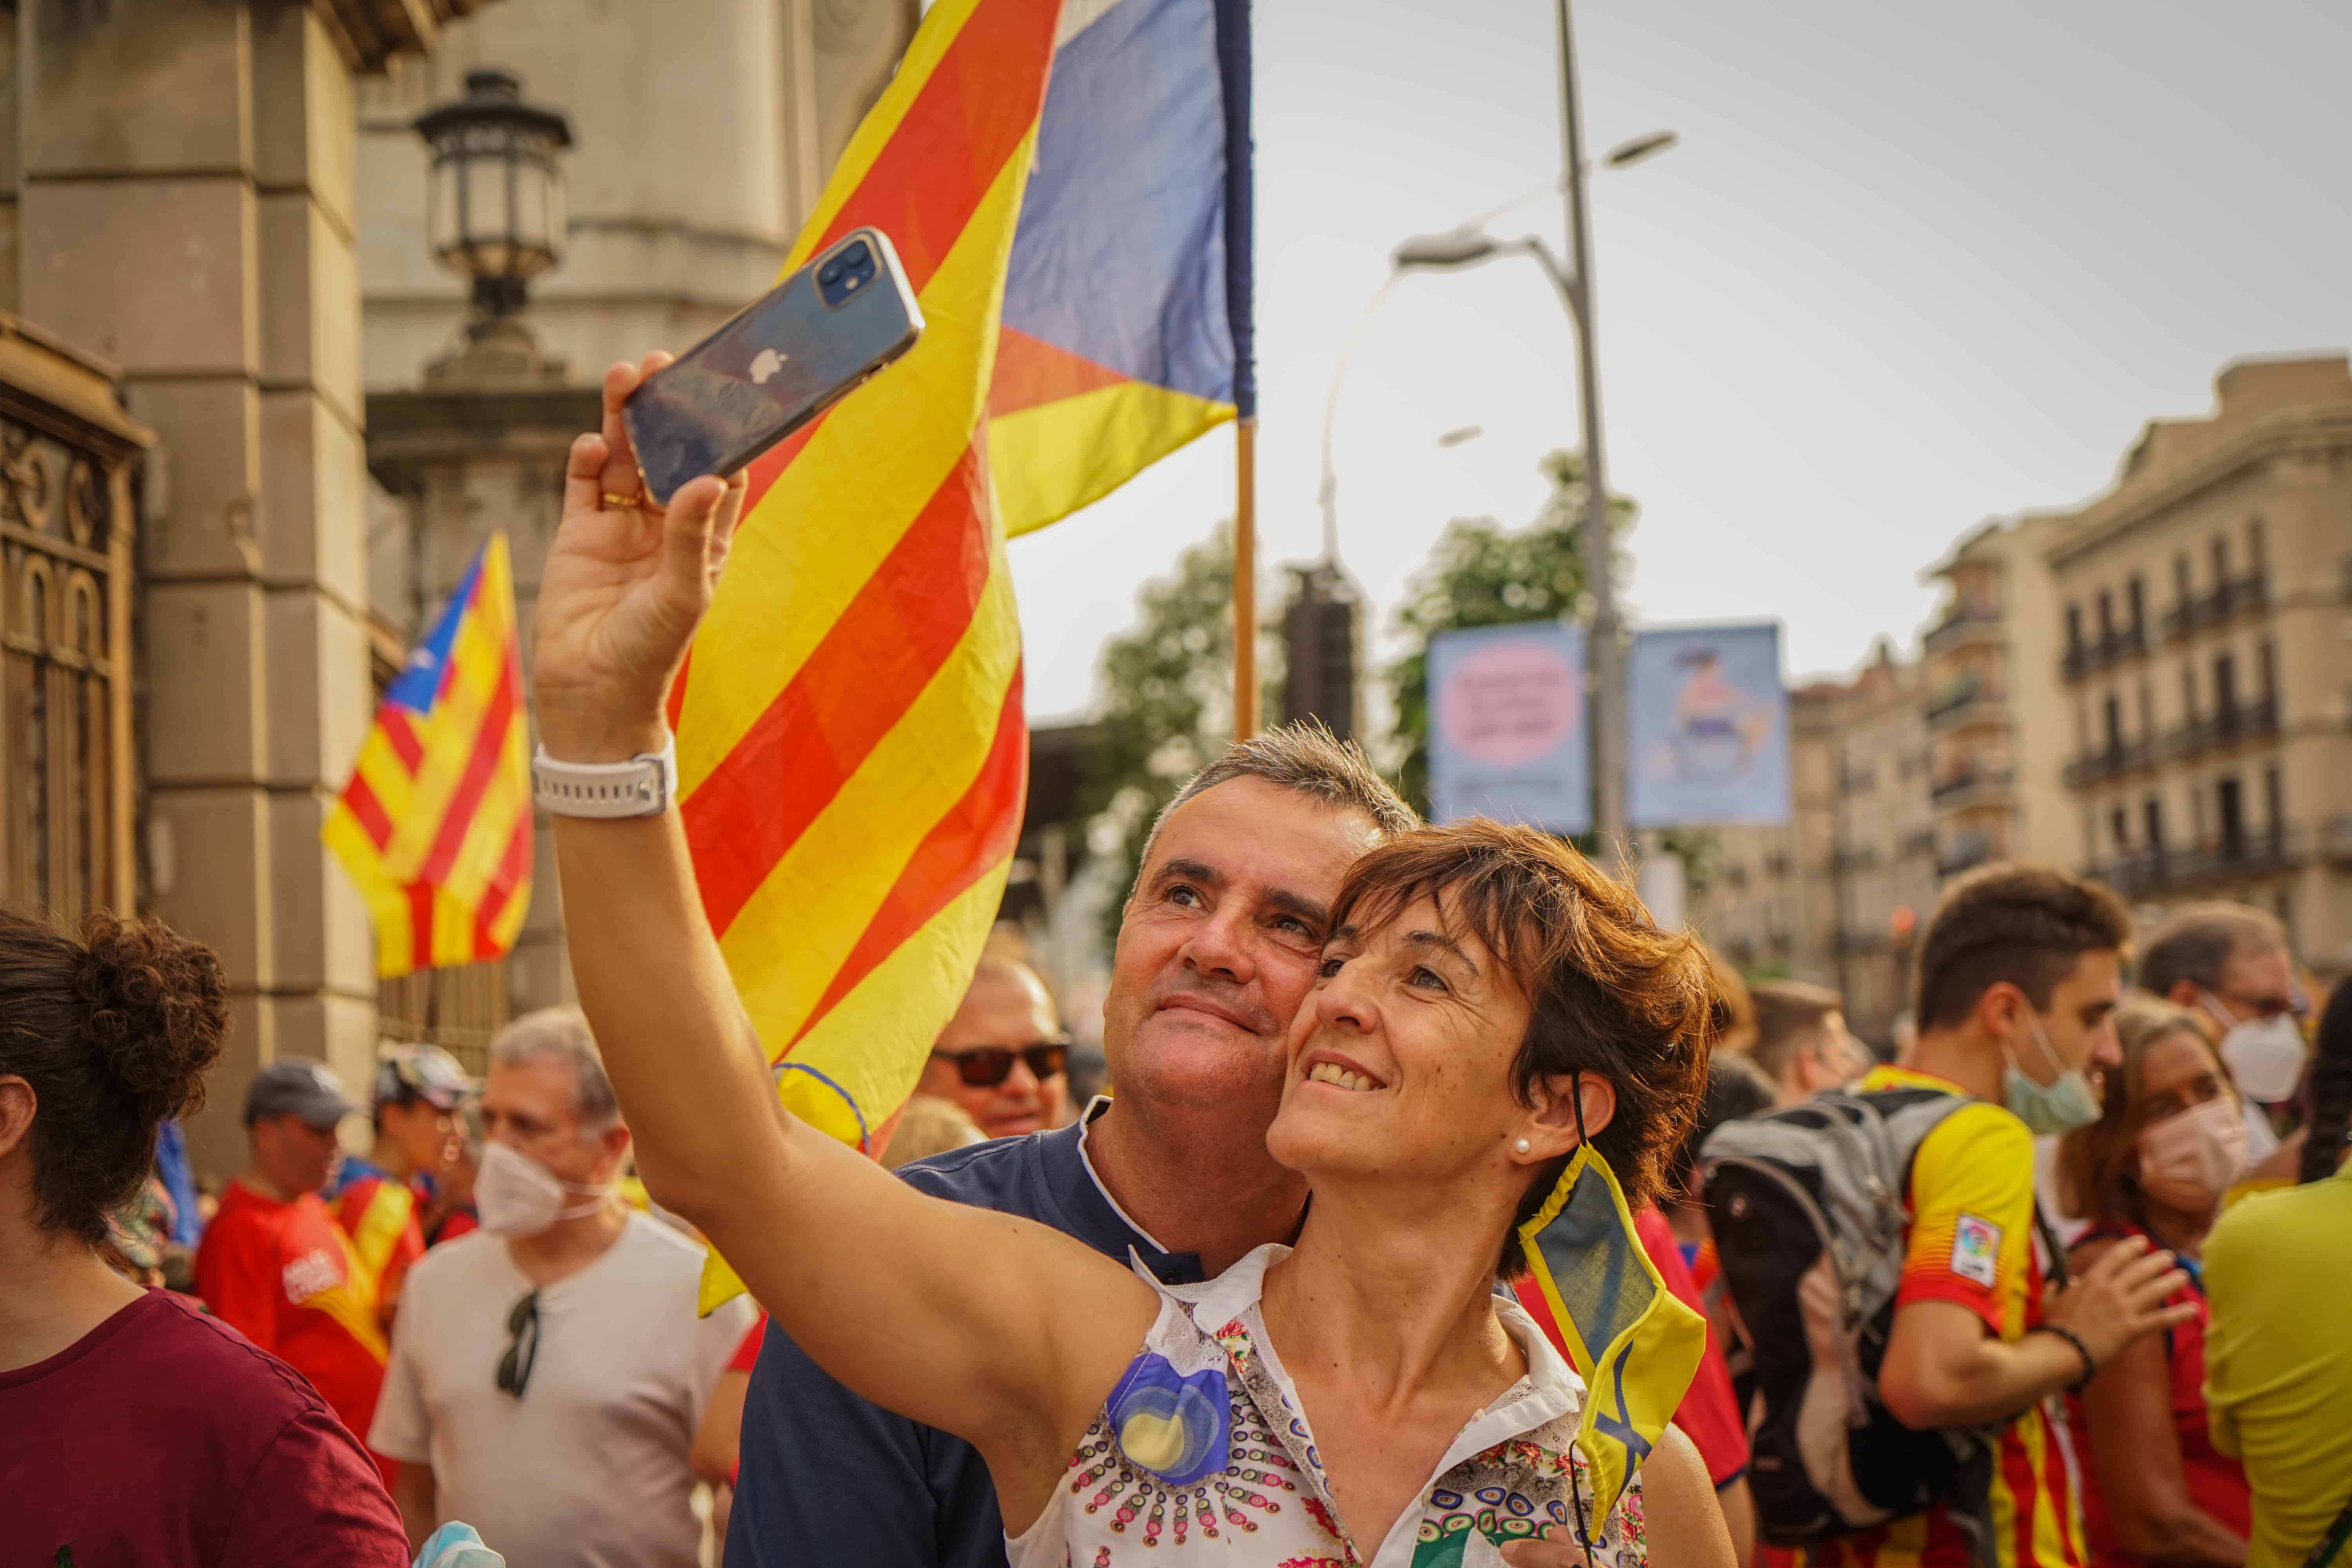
(2204, 640)
(207, 274)
(1769, 906)
(1996, 732)
(1884, 864)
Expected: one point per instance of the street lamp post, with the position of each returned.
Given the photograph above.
(1573, 283)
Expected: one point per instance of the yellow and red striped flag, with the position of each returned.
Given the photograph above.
(435, 825)
(852, 755)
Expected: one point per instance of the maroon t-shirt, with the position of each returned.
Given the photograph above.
(165, 1439)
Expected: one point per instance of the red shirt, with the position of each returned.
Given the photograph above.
(1709, 1413)
(2217, 1483)
(284, 1276)
(163, 1439)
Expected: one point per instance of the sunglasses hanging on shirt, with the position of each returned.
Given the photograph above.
(522, 1349)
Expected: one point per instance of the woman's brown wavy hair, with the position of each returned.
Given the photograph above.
(1609, 993)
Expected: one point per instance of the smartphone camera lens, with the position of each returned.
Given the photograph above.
(845, 272)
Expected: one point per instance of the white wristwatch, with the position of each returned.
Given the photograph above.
(642, 786)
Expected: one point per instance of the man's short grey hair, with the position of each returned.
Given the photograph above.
(561, 1034)
(2194, 944)
(1306, 758)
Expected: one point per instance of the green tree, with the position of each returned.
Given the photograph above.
(1481, 573)
(1165, 705)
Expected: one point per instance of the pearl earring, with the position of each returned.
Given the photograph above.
(1525, 1147)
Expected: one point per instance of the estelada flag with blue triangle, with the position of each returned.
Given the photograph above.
(435, 825)
(1126, 329)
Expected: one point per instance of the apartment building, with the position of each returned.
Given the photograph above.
(1769, 905)
(2204, 628)
(1884, 825)
(1997, 735)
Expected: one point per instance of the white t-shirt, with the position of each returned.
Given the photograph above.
(588, 1469)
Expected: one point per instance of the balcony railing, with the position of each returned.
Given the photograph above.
(1949, 706)
(2084, 657)
(1967, 777)
(2097, 767)
(1958, 624)
(2255, 720)
(2230, 858)
(2251, 592)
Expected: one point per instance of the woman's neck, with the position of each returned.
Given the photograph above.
(1405, 1309)
(53, 1291)
(2176, 1229)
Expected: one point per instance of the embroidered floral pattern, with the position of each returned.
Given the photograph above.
(1269, 1501)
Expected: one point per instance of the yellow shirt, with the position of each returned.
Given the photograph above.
(2278, 1359)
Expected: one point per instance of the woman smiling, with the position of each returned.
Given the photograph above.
(1486, 1001)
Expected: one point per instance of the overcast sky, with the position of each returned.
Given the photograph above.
(1911, 267)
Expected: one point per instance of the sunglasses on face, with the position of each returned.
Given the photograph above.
(522, 1349)
(985, 1066)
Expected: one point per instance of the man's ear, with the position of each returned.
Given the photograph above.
(1552, 1120)
(2183, 993)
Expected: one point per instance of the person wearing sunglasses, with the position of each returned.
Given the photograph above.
(1004, 1057)
(2230, 962)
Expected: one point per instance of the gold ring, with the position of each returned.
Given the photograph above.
(618, 502)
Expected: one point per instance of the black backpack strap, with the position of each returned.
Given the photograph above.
(2060, 1275)
(2331, 1544)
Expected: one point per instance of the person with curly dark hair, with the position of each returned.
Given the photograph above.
(138, 1430)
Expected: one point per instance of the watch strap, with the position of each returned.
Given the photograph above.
(645, 785)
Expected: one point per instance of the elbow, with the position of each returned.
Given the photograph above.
(2153, 1529)
(1919, 1400)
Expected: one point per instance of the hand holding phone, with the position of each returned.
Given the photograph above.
(775, 365)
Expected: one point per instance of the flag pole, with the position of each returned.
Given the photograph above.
(1245, 577)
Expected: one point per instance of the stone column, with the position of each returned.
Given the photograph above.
(478, 448)
(186, 210)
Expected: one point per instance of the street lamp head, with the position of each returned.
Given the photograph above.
(495, 196)
(1455, 247)
(1625, 154)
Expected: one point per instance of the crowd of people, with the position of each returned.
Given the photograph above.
(2058, 1282)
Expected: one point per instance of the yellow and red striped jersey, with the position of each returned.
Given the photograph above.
(1971, 1244)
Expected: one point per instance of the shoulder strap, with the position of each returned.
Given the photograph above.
(2060, 1275)
(2331, 1545)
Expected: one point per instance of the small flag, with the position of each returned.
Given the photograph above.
(1126, 306)
(435, 824)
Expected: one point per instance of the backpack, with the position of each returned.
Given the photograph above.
(1811, 1221)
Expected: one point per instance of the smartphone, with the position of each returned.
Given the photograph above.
(777, 364)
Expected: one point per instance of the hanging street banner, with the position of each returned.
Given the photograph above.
(1707, 727)
(1507, 736)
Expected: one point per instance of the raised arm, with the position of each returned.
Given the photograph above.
(1002, 1332)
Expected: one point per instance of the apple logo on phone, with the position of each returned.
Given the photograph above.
(765, 364)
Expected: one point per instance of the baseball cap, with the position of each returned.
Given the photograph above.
(304, 1089)
(407, 1072)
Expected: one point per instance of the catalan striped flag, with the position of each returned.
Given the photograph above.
(1127, 307)
(850, 751)
(435, 824)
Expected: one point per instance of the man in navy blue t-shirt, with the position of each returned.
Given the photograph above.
(1217, 946)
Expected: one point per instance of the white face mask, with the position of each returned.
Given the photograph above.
(2188, 1159)
(2265, 1055)
(517, 1195)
